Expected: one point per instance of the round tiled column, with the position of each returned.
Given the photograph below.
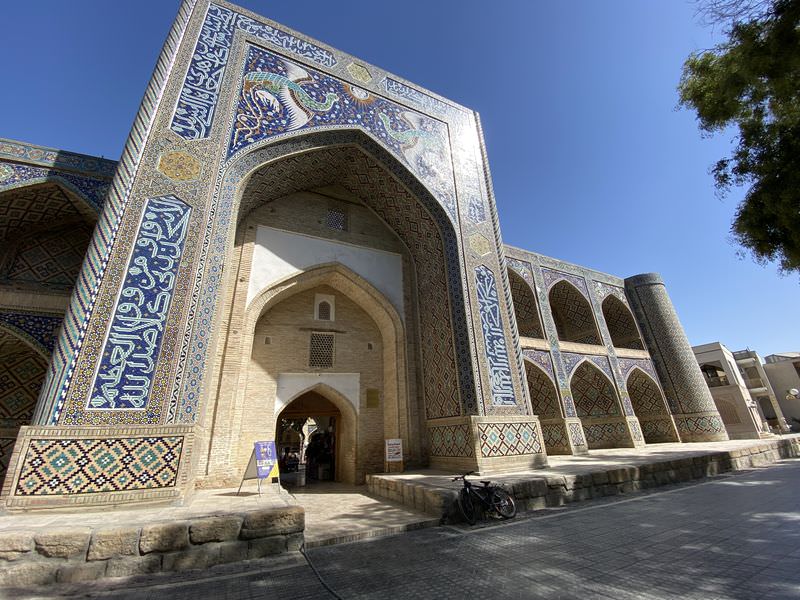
(689, 400)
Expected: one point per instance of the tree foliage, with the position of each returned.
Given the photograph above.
(752, 81)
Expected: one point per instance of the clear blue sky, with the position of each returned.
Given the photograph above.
(592, 163)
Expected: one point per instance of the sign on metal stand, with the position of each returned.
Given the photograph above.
(263, 464)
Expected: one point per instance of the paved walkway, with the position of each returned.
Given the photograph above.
(731, 537)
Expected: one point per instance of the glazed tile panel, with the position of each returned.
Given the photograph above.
(131, 349)
(494, 339)
(37, 328)
(200, 93)
(82, 466)
(508, 439)
(92, 190)
(278, 96)
(451, 440)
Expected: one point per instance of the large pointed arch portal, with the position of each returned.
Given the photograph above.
(235, 97)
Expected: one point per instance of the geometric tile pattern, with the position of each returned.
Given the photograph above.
(494, 336)
(508, 439)
(41, 204)
(636, 431)
(52, 258)
(38, 329)
(542, 359)
(137, 323)
(572, 314)
(278, 96)
(550, 277)
(544, 397)
(6, 448)
(450, 440)
(92, 192)
(604, 435)
(22, 372)
(627, 365)
(18, 151)
(555, 436)
(705, 424)
(571, 360)
(658, 430)
(576, 434)
(593, 393)
(678, 372)
(646, 396)
(200, 93)
(81, 466)
(525, 307)
(621, 326)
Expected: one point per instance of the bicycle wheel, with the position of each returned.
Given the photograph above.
(467, 506)
(503, 504)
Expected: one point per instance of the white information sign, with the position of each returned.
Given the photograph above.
(394, 450)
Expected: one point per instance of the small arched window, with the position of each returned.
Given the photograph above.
(324, 311)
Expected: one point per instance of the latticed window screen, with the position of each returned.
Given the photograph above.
(337, 219)
(324, 311)
(320, 354)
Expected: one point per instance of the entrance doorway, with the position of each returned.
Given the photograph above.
(309, 436)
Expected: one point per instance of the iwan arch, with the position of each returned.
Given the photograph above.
(291, 229)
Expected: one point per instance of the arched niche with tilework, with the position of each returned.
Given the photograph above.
(650, 408)
(526, 308)
(621, 324)
(572, 314)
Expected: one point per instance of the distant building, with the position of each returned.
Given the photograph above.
(783, 372)
(741, 414)
(757, 383)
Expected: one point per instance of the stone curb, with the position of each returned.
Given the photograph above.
(548, 491)
(70, 555)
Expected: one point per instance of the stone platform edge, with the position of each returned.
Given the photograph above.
(74, 554)
(546, 491)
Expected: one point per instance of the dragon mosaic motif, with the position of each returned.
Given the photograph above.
(279, 96)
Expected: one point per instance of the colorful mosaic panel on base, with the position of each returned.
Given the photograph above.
(555, 436)
(451, 440)
(658, 430)
(700, 425)
(508, 439)
(85, 466)
(576, 434)
(606, 434)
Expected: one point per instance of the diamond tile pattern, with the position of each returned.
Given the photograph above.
(645, 395)
(451, 440)
(544, 398)
(6, 448)
(572, 315)
(508, 439)
(525, 307)
(22, 372)
(620, 324)
(34, 205)
(82, 466)
(52, 258)
(593, 393)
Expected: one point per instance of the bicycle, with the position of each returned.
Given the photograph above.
(488, 499)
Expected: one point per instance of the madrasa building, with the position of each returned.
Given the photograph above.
(294, 233)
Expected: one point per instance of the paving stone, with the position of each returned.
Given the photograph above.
(194, 557)
(63, 543)
(113, 543)
(28, 573)
(266, 546)
(134, 565)
(164, 537)
(234, 551)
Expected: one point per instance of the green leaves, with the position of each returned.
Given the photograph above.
(752, 81)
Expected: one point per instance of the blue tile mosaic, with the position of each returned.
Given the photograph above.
(38, 328)
(125, 374)
(90, 189)
(494, 338)
(278, 96)
(194, 112)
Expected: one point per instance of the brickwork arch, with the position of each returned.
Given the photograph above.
(526, 308)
